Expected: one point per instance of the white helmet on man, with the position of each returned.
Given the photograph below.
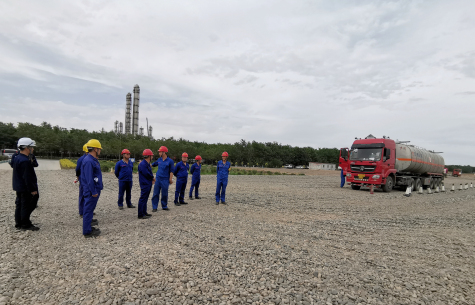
(25, 142)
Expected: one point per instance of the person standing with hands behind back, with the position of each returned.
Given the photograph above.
(25, 184)
(123, 170)
(222, 170)
(196, 177)
(146, 181)
(181, 173)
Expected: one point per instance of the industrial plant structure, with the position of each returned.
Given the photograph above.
(132, 116)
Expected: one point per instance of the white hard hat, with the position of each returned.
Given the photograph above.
(26, 142)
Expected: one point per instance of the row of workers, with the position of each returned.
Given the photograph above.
(89, 174)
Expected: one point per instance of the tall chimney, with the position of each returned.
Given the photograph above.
(150, 129)
(116, 126)
(128, 113)
(135, 121)
(121, 128)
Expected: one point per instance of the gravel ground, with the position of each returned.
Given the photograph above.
(280, 240)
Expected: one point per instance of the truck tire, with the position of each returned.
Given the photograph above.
(417, 184)
(388, 187)
(432, 183)
(437, 182)
(355, 187)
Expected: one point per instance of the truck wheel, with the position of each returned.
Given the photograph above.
(418, 184)
(388, 187)
(355, 187)
(432, 183)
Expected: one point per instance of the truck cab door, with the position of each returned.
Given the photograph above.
(344, 159)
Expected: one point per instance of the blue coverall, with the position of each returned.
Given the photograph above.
(181, 173)
(342, 179)
(78, 174)
(146, 182)
(124, 171)
(195, 179)
(222, 177)
(162, 181)
(91, 180)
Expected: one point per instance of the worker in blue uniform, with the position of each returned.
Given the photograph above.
(146, 181)
(164, 178)
(78, 175)
(123, 170)
(25, 184)
(181, 173)
(91, 180)
(195, 177)
(222, 169)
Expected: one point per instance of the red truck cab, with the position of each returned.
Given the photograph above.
(372, 161)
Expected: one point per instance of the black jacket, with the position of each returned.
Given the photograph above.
(24, 176)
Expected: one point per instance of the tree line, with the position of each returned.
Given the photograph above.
(55, 141)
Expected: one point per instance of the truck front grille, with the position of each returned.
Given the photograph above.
(363, 168)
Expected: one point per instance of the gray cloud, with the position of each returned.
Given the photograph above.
(312, 73)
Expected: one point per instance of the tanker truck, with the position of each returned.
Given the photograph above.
(386, 163)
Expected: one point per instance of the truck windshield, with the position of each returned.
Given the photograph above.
(366, 154)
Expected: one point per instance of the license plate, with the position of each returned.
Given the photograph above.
(361, 176)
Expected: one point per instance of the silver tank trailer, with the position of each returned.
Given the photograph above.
(418, 161)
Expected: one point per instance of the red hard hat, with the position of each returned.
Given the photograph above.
(163, 149)
(125, 151)
(147, 152)
(184, 155)
(225, 154)
(198, 157)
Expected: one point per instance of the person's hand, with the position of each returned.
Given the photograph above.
(171, 181)
(34, 193)
(153, 181)
(95, 195)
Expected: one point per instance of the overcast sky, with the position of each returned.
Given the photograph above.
(304, 73)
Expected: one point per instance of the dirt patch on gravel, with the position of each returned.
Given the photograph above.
(280, 240)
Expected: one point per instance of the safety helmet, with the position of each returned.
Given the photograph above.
(184, 155)
(163, 149)
(225, 154)
(94, 144)
(125, 151)
(147, 152)
(84, 148)
(198, 157)
(26, 142)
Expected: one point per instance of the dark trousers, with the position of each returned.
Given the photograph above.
(180, 189)
(25, 205)
(195, 184)
(89, 207)
(342, 184)
(144, 194)
(125, 186)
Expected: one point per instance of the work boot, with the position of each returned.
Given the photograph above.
(131, 206)
(80, 215)
(144, 217)
(217, 202)
(198, 197)
(121, 208)
(177, 204)
(94, 234)
(94, 222)
(223, 202)
(30, 228)
(166, 209)
(154, 210)
(183, 202)
(147, 214)
(18, 227)
(190, 198)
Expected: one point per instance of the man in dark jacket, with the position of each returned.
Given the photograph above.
(25, 184)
